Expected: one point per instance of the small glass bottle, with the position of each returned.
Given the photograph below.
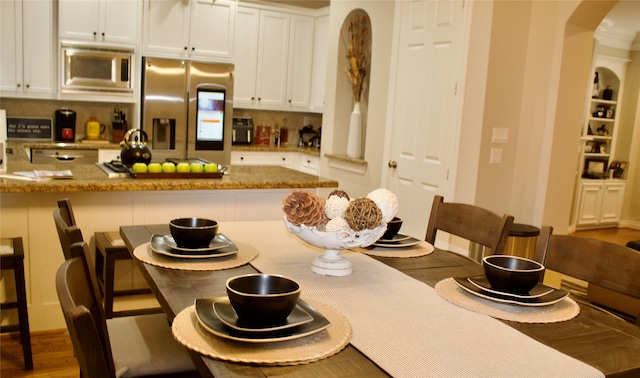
(596, 86)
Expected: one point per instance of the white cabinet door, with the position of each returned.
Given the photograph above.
(590, 204)
(300, 62)
(246, 56)
(120, 21)
(319, 63)
(611, 203)
(11, 47)
(183, 29)
(212, 28)
(78, 19)
(99, 20)
(273, 52)
(27, 49)
(166, 27)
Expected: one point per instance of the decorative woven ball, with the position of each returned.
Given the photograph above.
(336, 206)
(339, 193)
(303, 207)
(336, 224)
(387, 201)
(363, 214)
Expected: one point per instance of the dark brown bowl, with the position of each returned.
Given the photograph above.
(393, 227)
(193, 232)
(512, 273)
(262, 298)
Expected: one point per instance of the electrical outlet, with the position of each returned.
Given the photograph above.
(496, 156)
(500, 135)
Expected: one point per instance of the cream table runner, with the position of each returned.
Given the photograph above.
(402, 324)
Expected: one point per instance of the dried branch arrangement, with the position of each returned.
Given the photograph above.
(358, 46)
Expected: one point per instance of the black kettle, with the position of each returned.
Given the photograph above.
(134, 148)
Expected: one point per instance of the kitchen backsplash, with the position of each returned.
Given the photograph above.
(104, 112)
(84, 110)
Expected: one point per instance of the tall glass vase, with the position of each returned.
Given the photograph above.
(354, 140)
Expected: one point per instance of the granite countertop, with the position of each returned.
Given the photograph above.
(90, 178)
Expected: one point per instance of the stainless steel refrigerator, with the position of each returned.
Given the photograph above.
(187, 109)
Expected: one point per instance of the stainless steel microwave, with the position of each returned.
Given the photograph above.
(96, 69)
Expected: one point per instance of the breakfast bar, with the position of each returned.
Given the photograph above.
(401, 327)
(103, 204)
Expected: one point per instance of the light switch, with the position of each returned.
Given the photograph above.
(500, 135)
(496, 156)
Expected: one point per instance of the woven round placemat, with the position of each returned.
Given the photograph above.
(421, 249)
(246, 253)
(564, 310)
(187, 330)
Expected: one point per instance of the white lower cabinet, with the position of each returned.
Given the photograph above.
(284, 159)
(600, 203)
(295, 160)
(308, 164)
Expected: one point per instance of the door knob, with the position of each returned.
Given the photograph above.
(393, 164)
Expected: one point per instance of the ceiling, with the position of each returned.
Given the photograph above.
(625, 14)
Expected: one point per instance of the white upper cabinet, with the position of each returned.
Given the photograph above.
(300, 62)
(274, 60)
(246, 57)
(101, 21)
(273, 52)
(189, 29)
(320, 63)
(27, 53)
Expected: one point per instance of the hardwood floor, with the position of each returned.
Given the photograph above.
(52, 356)
(53, 353)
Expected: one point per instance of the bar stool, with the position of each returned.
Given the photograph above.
(12, 258)
(109, 249)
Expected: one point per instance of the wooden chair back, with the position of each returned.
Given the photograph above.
(470, 222)
(85, 319)
(68, 231)
(612, 266)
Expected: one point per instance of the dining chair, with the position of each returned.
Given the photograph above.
(611, 266)
(470, 222)
(105, 260)
(131, 346)
(68, 230)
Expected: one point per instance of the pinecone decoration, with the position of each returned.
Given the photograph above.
(303, 207)
(362, 214)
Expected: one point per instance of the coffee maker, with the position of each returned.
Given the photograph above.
(65, 125)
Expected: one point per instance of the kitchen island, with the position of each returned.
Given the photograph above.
(247, 193)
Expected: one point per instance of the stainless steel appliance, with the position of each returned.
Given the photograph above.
(63, 155)
(242, 132)
(187, 109)
(96, 69)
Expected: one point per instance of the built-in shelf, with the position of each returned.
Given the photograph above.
(347, 163)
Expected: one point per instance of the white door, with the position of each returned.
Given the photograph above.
(426, 111)
(590, 204)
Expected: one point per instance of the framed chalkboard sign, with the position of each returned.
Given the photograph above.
(29, 128)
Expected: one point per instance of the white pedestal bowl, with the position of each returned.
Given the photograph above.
(332, 263)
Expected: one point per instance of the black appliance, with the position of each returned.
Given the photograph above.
(242, 130)
(65, 125)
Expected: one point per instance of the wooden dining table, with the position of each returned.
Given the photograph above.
(595, 337)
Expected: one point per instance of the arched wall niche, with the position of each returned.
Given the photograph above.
(354, 47)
